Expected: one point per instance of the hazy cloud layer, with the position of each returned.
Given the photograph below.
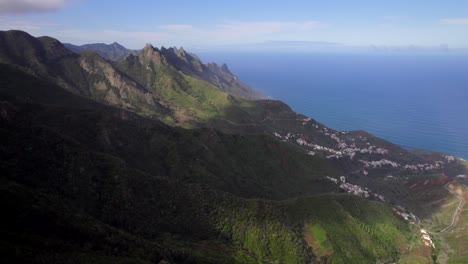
(237, 31)
(176, 27)
(454, 21)
(29, 6)
(181, 34)
(31, 26)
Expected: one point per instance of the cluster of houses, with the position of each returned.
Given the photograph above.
(399, 210)
(426, 239)
(415, 168)
(355, 189)
(449, 158)
(405, 214)
(303, 142)
(288, 136)
(379, 163)
(350, 150)
(332, 179)
(421, 167)
(305, 120)
(344, 149)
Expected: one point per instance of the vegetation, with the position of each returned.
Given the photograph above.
(452, 243)
(96, 165)
(88, 174)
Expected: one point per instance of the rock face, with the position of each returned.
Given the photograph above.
(153, 81)
(115, 88)
(87, 74)
(152, 55)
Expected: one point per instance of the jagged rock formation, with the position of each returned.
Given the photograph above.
(181, 60)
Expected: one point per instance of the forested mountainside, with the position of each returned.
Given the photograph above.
(160, 158)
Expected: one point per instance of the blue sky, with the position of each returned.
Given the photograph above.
(245, 24)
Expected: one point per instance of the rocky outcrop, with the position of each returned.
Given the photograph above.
(219, 76)
(116, 89)
(152, 55)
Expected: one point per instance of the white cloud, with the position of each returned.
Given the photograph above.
(240, 29)
(267, 27)
(225, 33)
(29, 6)
(237, 31)
(454, 21)
(7, 23)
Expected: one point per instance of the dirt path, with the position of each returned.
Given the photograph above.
(456, 214)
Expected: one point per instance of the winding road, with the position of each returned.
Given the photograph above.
(456, 215)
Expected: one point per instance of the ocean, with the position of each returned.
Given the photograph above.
(416, 101)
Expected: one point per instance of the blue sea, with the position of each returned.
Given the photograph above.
(416, 101)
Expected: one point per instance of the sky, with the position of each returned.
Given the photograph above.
(246, 24)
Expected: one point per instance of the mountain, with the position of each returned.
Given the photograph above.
(187, 63)
(148, 160)
(94, 179)
(219, 76)
(113, 52)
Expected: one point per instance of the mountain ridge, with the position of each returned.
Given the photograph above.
(144, 152)
(113, 51)
(183, 61)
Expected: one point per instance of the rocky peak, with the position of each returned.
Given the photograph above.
(225, 68)
(165, 51)
(181, 52)
(148, 46)
(117, 46)
(152, 54)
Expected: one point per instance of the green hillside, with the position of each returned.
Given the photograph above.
(156, 159)
(76, 175)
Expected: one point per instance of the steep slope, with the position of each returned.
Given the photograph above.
(155, 88)
(77, 187)
(88, 74)
(113, 52)
(193, 101)
(449, 222)
(219, 76)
